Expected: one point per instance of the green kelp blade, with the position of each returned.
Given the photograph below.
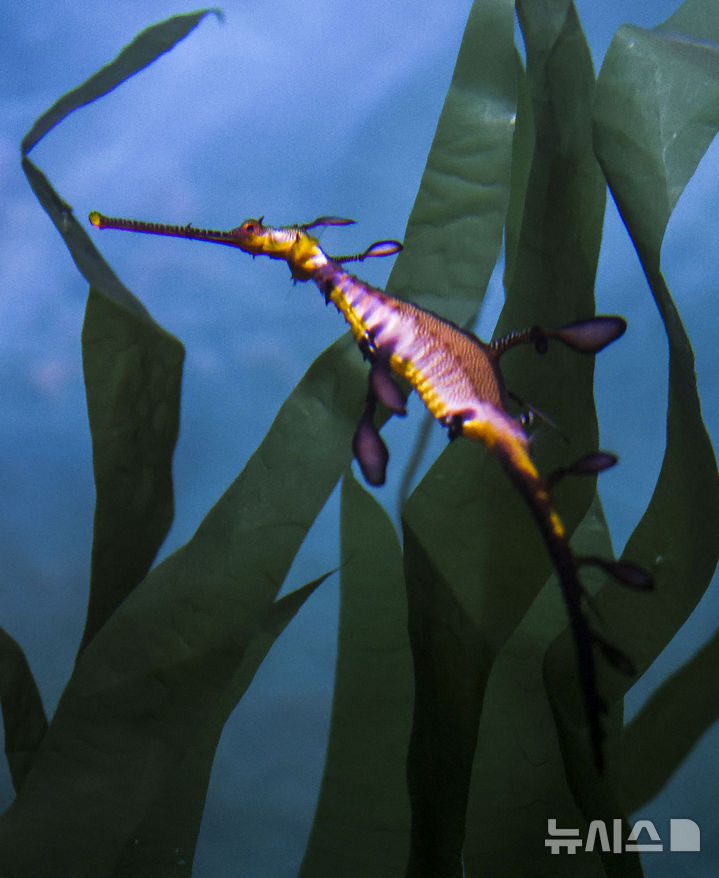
(165, 838)
(143, 688)
(24, 719)
(656, 112)
(142, 51)
(474, 557)
(132, 370)
(361, 824)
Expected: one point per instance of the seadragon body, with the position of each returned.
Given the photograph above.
(458, 378)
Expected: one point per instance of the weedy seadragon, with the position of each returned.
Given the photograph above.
(458, 378)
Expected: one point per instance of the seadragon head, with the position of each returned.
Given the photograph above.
(293, 244)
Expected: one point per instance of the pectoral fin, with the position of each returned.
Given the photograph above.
(590, 336)
(586, 336)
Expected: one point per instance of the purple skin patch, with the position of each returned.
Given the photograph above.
(590, 336)
(370, 451)
(384, 388)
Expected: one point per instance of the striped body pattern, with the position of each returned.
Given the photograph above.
(458, 378)
(450, 371)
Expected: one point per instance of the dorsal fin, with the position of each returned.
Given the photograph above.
(326, 221)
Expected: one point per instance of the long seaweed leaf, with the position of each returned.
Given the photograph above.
(518, 779)
(142, 689)
(132, 381)
(479, 546)
(24, 718)
(132, 373)
(455, 229)
(169, 653)
(683, 709)
(164, 839)
(143, 50)
(361, 824)
(656, 111)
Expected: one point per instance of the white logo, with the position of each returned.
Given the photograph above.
(684, 835)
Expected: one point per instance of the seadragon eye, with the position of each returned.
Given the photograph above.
(250, 227)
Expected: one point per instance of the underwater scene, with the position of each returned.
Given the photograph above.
(392, 549)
